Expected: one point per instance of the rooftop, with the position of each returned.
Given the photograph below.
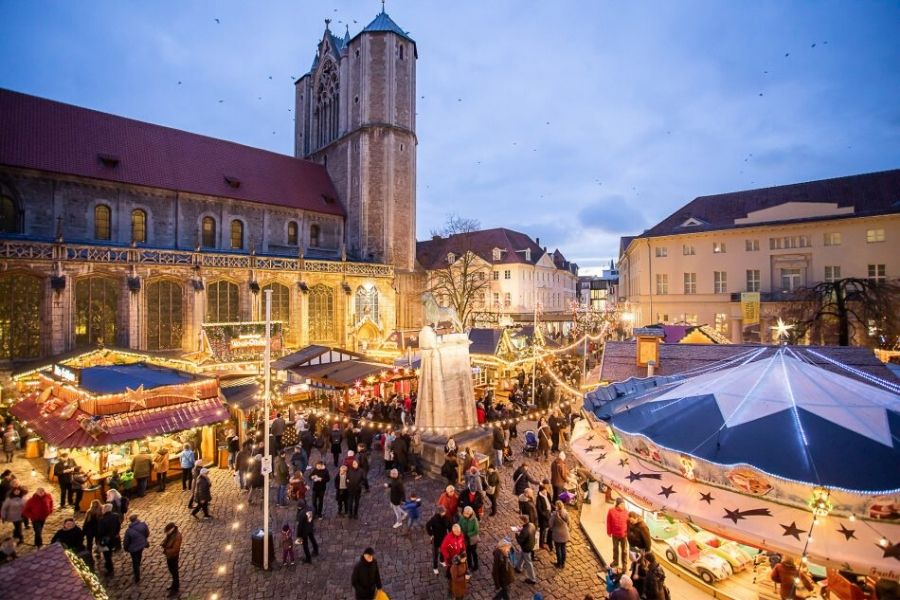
(432, 254)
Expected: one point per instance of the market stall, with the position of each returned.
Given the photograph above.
(785, 451)
(104, 411)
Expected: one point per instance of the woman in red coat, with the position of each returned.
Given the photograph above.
(454, 543)
(37, 508)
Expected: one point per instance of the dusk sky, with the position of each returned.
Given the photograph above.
(575, 122)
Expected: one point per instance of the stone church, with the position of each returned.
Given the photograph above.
(131, 234)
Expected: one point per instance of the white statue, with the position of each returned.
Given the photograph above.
(435, 313)
(446, 393)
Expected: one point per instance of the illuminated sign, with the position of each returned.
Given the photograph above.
(248, 340)
(66, 373)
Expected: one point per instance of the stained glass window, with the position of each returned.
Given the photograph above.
(96, 308)
(138, 226)
(21, 299)
(366, 304)
(9, 215)
(209, 232)
(165, 319)
(321, 313)
(222, 302)
(102, 222)
(281, 303)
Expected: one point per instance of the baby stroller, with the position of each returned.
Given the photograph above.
(531, 443)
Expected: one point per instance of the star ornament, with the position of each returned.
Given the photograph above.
(667, 491)
(781, 329)
(707, 497)
(137, 397)
(792, 530)
(848, 533)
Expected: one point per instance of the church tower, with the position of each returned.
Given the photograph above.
(356, 113)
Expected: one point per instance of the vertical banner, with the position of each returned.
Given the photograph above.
(750, 308)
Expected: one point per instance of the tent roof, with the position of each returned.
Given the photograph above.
(112, 379)
(340, 374)
(782, 415)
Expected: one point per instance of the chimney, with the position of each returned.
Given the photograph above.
(435, 237)
(537, 241)
(651, 368)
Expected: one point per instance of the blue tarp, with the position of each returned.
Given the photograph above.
(113, 379)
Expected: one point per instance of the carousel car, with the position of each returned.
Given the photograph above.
(732, 552)
(661, 528)
(706, 565)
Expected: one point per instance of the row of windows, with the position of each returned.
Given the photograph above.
(791, 279)
(208, 237)
(831, 238)
(97, 304)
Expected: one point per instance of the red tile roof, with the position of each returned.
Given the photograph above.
(45, 573)
(868, 194)
(123, 427)
(432, 254)
(41, 134)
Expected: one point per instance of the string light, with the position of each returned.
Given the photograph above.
(221, 570)
(228, 547)
(236, 524)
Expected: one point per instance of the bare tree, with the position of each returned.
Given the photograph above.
(846, 309)
(463, 280)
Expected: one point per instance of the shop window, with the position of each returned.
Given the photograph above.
(102, 222)
(21, 300)
(222, 302)
(138, 226)
(96, 308)
(321, 313)
(281, 303)
(165, 317)
(292, 233)
(366, 304)
(208, 233)
(237, 235)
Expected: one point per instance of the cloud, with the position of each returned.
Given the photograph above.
(612, 214)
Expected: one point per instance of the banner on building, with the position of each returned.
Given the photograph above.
(242, 342)
(750, 308)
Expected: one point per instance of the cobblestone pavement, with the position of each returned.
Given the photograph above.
(215, 557)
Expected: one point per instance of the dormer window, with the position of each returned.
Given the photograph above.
(693, 222)
(108, 160)
(528, 254)
(451, 258)
(232, 181)
(497, 254)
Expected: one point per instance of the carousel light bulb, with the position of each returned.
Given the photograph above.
(852, 517)
(236, 524)
(214, 596)
(240, 507)
(883, 542)
(228, 547)
(221, 569)
(804, 559)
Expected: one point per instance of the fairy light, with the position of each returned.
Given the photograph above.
(221, 570)
(214, 596)
(228, 547)
(236, 524)
(240, 506)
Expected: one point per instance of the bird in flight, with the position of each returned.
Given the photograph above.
(221, 101)
(786, 54)
(217, 21)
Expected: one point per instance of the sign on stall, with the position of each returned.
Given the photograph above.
(267, 465)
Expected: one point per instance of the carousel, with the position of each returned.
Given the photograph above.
(779, 452)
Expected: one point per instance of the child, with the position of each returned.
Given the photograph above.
(411, 507)
(287, 544)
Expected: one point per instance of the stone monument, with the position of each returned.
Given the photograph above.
(446, 402)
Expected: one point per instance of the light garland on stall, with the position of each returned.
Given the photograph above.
(89, 577)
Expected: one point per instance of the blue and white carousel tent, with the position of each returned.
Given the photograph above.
(782, 415)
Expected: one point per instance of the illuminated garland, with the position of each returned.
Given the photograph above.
(90, 579)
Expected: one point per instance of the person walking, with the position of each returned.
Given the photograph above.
(437, 527)
(91, 521)
(10, 442)
(559, 475)
(299, 460)
(306, 533)
(70, 536)
(171, 547)
(241, 465)
(11, 512)
(63, 470)
(459, 577)
(108, 535)
(255, 479)
(187, 458)
(527, 505)
(468, 524)
(320, 478)
(202, 494)
(38, 507)
(137, 537)
(336, 439)
(362, 457)
(282, 476)
(617, 529)
(195, 473)
(492, 487)
(365, 579)
(412, 508)
(397, 497)
(526, 538)
(522, 479)
(354, 489)
(287, 544)
(142, 467)
(498, 443)
(559, 530)
(544, 507)
(161, 468)
(543, 434)
(341, 492)
(502, 571)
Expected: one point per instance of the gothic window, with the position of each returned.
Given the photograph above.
(138, 226)
(222, 302)
(366, 304)
(21, 299)
(208, 233)
(165, 318)
(102, 222)
(96, 308)
(281, 303)
(237, 235)
(321, 314)
(292, 233)
(314, 235)
(9, 214)
(327, 104)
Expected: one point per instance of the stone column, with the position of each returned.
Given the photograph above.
(737, 329)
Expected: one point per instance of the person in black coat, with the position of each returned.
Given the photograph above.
(401, 453)
(366, 580)
(522, 479)
(450, 469)
(306, 532)
(320, 478)
(108, 535)
(362, 457)
(354, 489)
(70, 536)
(437, 527)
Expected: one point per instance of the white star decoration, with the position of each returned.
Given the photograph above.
(749, 392)
(136, 398)
(781, 329)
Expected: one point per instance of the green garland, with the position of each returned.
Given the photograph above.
(89, 577)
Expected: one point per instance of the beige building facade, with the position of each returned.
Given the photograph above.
(692, 267)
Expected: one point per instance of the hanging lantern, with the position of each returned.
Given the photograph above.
(819, 503)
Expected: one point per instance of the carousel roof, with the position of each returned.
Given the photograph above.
(111, 379)
(781, 414)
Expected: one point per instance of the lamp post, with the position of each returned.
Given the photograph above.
(267, 458)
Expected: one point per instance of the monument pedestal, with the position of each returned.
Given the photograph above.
(477, 439)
